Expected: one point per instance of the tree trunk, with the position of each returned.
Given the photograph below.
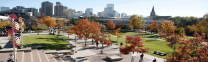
(85, 41)
(68, 35)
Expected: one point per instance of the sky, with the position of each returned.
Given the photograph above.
(173, 8)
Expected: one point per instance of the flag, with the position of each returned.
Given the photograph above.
(13, 16)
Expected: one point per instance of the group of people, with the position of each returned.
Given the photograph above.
(142, 55)
(121, 44)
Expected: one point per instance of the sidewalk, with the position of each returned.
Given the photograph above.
(91, 54)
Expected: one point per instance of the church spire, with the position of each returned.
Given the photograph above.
(153, 9)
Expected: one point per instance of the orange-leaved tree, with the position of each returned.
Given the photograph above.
(190, 50)
(110, 25)
(135, 45)
(102, 38)
(116, 33)
(49, 22)
(153, 26)
(85, 28)
(166, 27)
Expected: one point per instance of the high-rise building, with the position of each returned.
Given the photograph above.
(4, 8)
(47, 8)
(110, 7)
(89, 12)
(123, 15)
(40, 10)
(65, 7)
(58, 9)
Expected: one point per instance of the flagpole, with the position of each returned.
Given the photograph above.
(14, 51)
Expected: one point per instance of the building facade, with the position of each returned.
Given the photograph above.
(89, 12)
(58, 9)
(65, 7)
(4, 8)
(123, 15)
(31, 11)
(47, 8)
(153, 15)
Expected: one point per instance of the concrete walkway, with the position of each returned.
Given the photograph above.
(91, 54)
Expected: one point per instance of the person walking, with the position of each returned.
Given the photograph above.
(141, 56)
(121, 44)
(92, 41)
(97, 44)
(154, 60)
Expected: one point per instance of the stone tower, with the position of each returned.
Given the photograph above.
(152, 14)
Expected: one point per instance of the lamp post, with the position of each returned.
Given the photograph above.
(125, 32)
(13, 40)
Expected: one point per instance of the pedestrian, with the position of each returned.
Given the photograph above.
(141, 56)
(154, 60)
(11, 58)
(92, 41)
(121, 44)
(97, 44)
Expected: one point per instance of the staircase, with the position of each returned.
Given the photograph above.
(36, 55)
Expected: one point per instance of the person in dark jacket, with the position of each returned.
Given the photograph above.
(121, 44)
(154, 60)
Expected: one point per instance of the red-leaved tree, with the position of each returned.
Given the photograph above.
(110, 25)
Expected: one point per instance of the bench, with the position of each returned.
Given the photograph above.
(114, 58)
(37, 47)
(114, 41)
(58, 52)
(159, 53)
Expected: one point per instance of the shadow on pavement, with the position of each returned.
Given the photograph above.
(8, 45)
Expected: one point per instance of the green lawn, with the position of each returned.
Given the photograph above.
(49, 42)
(64, 37)
(153, 45)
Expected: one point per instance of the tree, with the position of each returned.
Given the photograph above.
(49, 22)
(181, 30)
(93, 19)
(85, 28)
(74, 21)
(166, 27)
(120, 24)
(36, 27)
(135, 21)
(153, 26)
(116, 33)
(102, 38)
(110, 25)
(186, 49)
(135, 45)
(3, 24)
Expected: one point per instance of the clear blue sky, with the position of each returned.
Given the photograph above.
(195, 8)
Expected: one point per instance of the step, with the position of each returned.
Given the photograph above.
(20, 56)
(58, 57)
(4, 56)
(27, 56)
(51, 58)
(43, 56)
(68, 58)
(36, 56)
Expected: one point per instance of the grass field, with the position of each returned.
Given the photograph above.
(153, 45)
(63, 37)
(49, 42)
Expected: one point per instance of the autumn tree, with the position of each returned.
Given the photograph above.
(3, 24)
(110, 25)
(135, 21)
(135, 45)
(188, 47)
(153, 26)
(116, 33)
(49, 22)
(167, 27)
(85, 28)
